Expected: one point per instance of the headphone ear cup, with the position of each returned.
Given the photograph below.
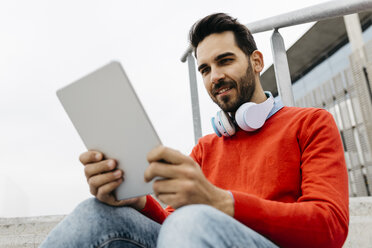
(251, 116)
(223, 125)
(215, 125)
(240, 116)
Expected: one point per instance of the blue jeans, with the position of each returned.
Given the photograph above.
(94, 224)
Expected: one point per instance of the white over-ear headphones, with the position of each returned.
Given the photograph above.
(250, 116)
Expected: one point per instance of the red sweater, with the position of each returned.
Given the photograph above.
(288, 179)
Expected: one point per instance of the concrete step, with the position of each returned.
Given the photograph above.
(360, 232)
(30, 231)
(26, 232)
(360, 228)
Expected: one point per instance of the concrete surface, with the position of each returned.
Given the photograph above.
(360, 228)
(30, 231)
(26, 232)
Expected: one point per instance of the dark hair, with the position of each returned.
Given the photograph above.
(218, 23)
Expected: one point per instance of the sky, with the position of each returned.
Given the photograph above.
(45, 45)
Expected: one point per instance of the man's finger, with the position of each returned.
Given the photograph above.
(104, 193)
(98, 168)
(167, 154)
(172, 200)
(166, 186)
(159, 169)
(102, 179)
(90, 157)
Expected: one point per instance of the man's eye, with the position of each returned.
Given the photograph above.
(225, 61)
(204, 70)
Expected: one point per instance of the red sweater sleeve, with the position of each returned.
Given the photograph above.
(320, 216)
(154, 210)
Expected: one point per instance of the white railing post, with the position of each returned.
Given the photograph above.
(355, 34)
(282, 74)
(194, 97)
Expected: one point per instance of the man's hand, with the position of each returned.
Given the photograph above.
(184, 182)
(103, 178)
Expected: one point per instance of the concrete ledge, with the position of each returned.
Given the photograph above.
(26, 232)
(360, 232)
(360, 206)
(360, 227)
(30, 231)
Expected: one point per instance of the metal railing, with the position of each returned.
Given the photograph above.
(328, 10)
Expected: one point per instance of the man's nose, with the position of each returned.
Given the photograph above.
(216, 76)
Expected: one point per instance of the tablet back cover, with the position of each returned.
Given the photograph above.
(109, 117)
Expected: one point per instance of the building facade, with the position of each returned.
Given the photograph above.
(327, 74)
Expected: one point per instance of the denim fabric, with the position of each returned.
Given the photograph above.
(204, 226)
(94, 224)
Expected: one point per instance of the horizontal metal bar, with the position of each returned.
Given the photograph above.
(327, 10)
(323, 11)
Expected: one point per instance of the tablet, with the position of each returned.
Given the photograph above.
(109, 118)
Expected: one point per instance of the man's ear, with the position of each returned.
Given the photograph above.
(257, 61)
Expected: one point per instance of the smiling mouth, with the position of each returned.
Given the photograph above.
(222, 91)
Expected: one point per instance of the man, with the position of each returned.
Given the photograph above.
(284, 184)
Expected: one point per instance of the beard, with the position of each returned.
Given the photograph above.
(245, 87)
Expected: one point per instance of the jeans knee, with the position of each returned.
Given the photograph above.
(87, 208)
(94, 211)
(94, 223)
(185, 219)
(205, 226)
(90, 204)
(186, 224)
(193, 213)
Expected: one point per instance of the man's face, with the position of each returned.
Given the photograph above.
(226, 71)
